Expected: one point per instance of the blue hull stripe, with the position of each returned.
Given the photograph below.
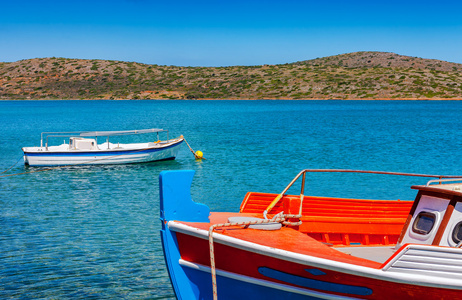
(99, 153)
(315, 284)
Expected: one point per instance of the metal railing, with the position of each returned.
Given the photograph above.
(96, 134)
(451, 179)
(303, 173)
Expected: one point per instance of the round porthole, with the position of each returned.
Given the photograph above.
(457, 233)
(424, 223)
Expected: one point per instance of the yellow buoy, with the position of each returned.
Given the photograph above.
(199, 154)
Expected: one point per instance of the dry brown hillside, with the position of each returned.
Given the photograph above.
(359, 75)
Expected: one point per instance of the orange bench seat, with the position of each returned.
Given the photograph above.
(339, 221)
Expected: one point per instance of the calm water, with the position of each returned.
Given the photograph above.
(93, 232)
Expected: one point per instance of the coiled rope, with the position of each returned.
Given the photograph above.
(278, 218)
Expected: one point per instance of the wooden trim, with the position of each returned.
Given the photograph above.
(445, 221)
(244, 202)
(409, 217)
(365, 239)
(386, 240)
(435, 190)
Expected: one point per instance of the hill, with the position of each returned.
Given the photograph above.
(359, 75)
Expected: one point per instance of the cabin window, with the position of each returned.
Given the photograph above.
(424, 222)
(457, 233)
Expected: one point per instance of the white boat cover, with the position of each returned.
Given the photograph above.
(123, 132)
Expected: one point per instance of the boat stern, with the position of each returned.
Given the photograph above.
(26, 162)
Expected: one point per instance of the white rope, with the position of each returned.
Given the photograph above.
(279, 218)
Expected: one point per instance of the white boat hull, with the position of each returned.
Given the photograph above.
(122, 154)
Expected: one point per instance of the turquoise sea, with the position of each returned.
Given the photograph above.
(93, 232)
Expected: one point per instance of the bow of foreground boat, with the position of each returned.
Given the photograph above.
(325, 248)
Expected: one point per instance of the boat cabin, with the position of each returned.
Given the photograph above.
(77, 143)
(436, 215)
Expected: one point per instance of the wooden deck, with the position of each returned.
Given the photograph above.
(286, 238)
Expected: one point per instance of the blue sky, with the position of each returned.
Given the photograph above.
(224, 33)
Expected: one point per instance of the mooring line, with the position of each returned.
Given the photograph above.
(198, 154)
(12, 165)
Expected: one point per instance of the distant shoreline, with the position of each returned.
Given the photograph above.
(384, 99)
(352, 76)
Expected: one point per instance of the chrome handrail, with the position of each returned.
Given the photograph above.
(444, 180)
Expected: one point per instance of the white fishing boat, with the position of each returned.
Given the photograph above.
(82, 148)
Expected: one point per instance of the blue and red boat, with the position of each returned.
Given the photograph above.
(281, 246)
